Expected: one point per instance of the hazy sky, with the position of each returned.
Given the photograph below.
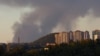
(30, 19)
(8, 16)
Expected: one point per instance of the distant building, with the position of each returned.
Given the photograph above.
(61, 37)
(78, 35)
(83, 35)
(57, 38)
(66, 37)
(50, 44)
(71, 36)
(96, 34)
(86, 35)
(95, 37)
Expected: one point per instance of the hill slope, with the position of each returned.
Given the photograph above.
(50, 38)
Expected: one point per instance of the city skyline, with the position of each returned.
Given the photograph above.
(31, 19)
(67, 36)
(74, 36)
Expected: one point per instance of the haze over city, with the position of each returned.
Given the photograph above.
(31, 19)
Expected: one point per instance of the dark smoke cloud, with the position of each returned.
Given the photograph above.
(48, 14)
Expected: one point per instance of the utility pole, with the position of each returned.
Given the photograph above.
(18, 40)
(8, 46)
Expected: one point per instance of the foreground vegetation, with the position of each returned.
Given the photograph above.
(83, 48)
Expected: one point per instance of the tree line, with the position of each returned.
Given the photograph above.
(83, 48)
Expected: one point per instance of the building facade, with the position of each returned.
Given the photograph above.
(71, 36)
(78, 35)
(86, 35)
(96, 34)
(61, 37)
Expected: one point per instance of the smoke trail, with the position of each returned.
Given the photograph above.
(48, 15)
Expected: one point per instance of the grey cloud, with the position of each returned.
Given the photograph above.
(49, 13)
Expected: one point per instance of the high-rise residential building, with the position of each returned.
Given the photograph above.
(86, 35)
(66, 37)
(96, 34)
(61, 37)
(78, 35)
(95, 37)
(57, 41)
(83, 35)
(71, 36)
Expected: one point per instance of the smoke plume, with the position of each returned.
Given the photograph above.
(48, 15)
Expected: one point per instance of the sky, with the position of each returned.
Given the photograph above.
(8, 16)
(32, 19)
